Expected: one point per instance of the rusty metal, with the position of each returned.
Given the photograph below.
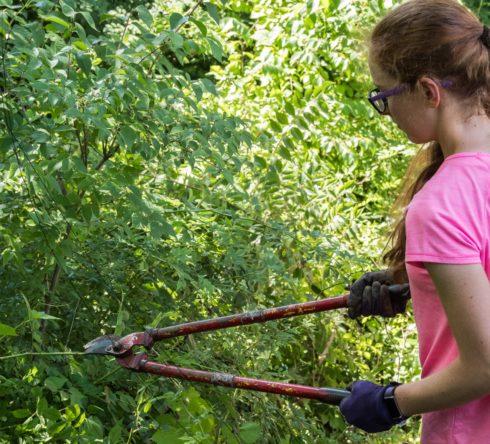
(122, 349)
(116, 346)
(140, 363)
(253, 317)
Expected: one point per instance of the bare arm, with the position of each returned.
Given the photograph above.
(465, 294)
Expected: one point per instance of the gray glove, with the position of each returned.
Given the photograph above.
(374, 294)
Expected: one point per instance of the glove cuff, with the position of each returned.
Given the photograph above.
(392, 406)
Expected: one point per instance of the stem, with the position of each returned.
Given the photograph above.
(19, 355)
(55, 279)
(124, 33)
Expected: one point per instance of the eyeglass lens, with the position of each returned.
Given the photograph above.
(379, 104)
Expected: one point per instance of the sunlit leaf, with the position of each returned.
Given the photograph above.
(6, 330)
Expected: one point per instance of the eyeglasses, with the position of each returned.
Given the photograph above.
(380, 99)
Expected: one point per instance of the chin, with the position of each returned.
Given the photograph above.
(418, 139)
(415, 140)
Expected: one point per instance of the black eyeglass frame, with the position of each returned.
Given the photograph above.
(375, 95)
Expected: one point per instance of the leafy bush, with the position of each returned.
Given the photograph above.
(174, 161)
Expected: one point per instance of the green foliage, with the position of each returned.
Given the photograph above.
(481, 8)
(174, 161)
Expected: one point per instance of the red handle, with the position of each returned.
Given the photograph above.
(253, 317)
(139, 363)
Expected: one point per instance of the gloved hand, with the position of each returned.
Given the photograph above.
(374, 294)
(371, 407)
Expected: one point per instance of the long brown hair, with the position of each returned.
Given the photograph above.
(444, 40)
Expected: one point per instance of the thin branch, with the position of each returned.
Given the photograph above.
(324, 353)
(124, 33)
(55, 279)
(20, 355)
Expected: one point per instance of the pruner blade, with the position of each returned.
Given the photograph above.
(103, 345)
(116, 346)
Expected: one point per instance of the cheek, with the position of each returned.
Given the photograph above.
(412, 122)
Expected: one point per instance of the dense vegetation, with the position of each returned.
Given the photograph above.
(177, 160)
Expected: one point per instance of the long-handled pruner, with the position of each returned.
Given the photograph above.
(121, 348)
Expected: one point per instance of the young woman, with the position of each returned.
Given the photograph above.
(430, 62)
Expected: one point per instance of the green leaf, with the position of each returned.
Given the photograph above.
(216, 49)
(282, 118)
(144, 15)
(176, 20)
(4, 24)
(213, 11)
(67, 9)
(55, 19)
(6, 330)
(54, 383)
(276, 126)
(209, 86)
(84, 62)
(80, 420)
(295, 131)
(80, 45)
(170, 435)
(21, 413)
(200, 25)
(72, 412)
(176, 39)
(122, 316)
(197, 91)
(250, 432)
(81, 31)
(260, 161)
(42, 315)
(89, 19)
(128, 135)
(290, 109)
(6, 142)
(284, 152)
(55, 428)
(115, 435)
(86, 211)
(288, 143)
(160, 228)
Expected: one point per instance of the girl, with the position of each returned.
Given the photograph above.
(430, 62)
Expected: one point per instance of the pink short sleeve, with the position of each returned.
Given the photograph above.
(446, 220)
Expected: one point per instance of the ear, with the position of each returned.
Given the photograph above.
(431, 91)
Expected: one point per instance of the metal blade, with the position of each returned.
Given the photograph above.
(103, 345)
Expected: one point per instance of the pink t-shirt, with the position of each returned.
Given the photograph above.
(448, 222)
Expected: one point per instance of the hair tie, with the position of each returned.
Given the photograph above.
(485, 37)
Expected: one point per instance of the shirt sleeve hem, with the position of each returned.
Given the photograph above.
(423, 257)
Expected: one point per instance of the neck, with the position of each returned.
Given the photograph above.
(462, 134)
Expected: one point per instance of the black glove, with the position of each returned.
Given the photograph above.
(374, 294)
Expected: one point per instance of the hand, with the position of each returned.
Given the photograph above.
(374, 294)
(368, 408)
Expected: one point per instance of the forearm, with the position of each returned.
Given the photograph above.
(455, 385)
